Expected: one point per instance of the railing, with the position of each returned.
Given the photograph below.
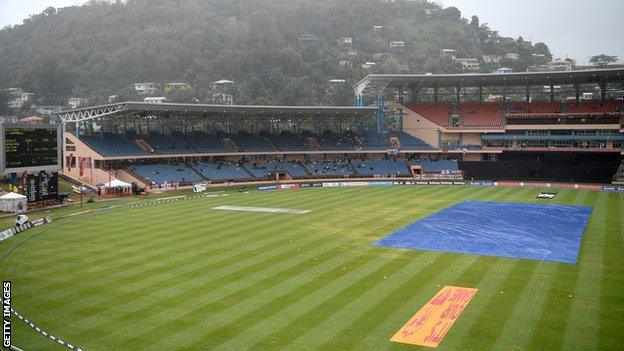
(565, 118)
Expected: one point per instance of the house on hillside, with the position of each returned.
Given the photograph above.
(222, 85)
(8, 119)
(492, 58)
(397, 45)
(512, 56)
(32, 120)
(170, 87)
(347, 41)
(559, 65)
(368, 65)
(156, 100)
(18, 98)
(76, 102)
(450, 53)
(222, 92)
(147, 88)
(47, 110)
(469, 64)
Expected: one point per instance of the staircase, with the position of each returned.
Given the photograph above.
(251, 176)
(197, 172)
(230, 143)
(144, 145)
(314, 144)
(395, 143)
(268, 140)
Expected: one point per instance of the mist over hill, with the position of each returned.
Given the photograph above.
(277, 51)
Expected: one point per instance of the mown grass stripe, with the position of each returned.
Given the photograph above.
(611, 321)
(520, 325)
(373, 220)
(549, 327)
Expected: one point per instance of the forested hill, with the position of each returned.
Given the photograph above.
(277, 51)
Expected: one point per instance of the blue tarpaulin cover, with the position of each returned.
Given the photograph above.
(524, 231)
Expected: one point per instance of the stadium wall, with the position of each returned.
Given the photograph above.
(552, 166)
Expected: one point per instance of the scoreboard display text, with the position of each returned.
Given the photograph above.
(30, 148)
(41, 186)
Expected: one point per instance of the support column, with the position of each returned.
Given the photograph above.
(435, 94)
(603, 91)
(63, 144)
(414, 94)
(504, 94)
(552, 93)
(577, 93)
(528, 94)
(381, 115)
(359, 100)
(457, 95)
(481, 93)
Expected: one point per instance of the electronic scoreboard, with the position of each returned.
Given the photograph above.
(41, 186)
(30, 148)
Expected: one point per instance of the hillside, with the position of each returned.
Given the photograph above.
(278, 51)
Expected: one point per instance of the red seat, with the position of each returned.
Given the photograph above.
(436, 112)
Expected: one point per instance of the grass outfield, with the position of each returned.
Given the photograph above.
(179, 275)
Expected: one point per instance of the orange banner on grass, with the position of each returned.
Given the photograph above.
(433, 321)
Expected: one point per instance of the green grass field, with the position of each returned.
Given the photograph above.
(179, 275)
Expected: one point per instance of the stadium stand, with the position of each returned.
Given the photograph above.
(203, 142)
(336, 168)
(266, 170)
(575, 118)
(223, 171)
(252, 142)
(380, 168)
(477, 114)
(437, 113)
(287, 141)
(408, 141)
(113, 145)
(168, 144)
(595, 106)
(437, 166)
(164, 173)
(540, 107)
(332, 141)
(373, 141)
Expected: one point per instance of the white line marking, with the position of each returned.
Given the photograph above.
(260, 209)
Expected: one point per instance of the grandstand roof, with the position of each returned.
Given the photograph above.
(377, 83)
(125, 108)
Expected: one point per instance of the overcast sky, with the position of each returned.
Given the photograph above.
(572, 28)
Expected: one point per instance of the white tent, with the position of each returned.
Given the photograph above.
(13, 202)
(116, 183)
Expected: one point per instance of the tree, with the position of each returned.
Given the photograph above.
(94, 51)
(452, 13)
(602, 60)
(474, 22)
